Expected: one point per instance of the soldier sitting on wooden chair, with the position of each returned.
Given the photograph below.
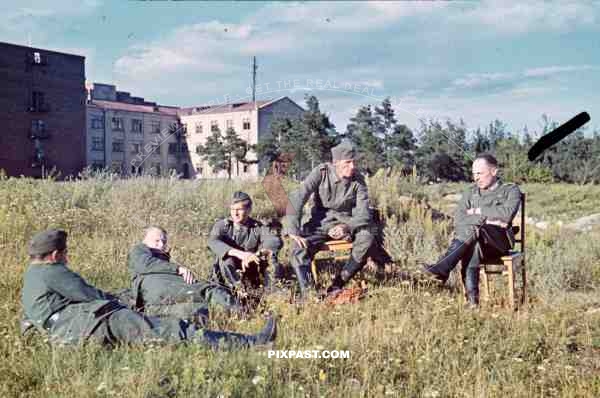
(483, 226)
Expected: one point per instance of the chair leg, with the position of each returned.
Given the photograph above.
(511, 283)
(486, 284)
(313, 270)
(524, 283)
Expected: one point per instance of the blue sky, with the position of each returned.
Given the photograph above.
(478, 61)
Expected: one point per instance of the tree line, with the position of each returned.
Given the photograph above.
(437, 150)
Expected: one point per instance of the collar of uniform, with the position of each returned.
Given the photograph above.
(490, 189)
(249, 222)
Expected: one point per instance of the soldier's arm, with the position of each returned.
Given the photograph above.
(298, 199)
(461, 217)
(141, 261)
(360, 213)
(216, 244)
(68, 284)
(507, 210)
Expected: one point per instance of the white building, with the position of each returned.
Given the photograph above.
(130, 135)
(251, 121)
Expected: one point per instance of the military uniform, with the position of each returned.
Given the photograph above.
(335, 201)
(476, 240)
(58, 301)
(162, 291)
(249, 237)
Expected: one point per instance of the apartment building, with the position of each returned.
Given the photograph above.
(132, 136)
(42, 111)
(250, 120)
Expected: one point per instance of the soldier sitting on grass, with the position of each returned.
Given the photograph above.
(163, 287)
(242, 245)
(58, 301)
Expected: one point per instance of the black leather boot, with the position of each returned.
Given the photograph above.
(228, 340)
(441, 270)
(305, 280)
(471, 281)
(339, 281)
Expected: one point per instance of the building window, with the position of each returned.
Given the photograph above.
(229, 124)
(245, 168)
(183, 148)
(97, 144)
(136, 148)
(118, 146)
(172, 148)
(199, 170)
(97, 123)
(136, 126)
(38, 128)
(37, 58)
(152, 149)
(155, 127)
(214, 126)
(246, 123)
(136, 170)
(199, 128)
(37, 102)
(117, 124)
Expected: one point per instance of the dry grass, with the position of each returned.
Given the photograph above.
(404, 340)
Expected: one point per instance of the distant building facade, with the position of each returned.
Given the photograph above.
(130, 136)
(251, 121)
(42, 111)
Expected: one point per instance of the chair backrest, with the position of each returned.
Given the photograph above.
(520, 236)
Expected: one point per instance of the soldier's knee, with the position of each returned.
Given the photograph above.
(364, 237)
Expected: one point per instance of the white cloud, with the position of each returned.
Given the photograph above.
(474, 80)
(521, 17)
(552, 70)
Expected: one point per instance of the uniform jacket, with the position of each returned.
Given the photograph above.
(335, 200)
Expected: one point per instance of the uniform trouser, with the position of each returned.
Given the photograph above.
(489, 242)
(183, 300)
(362, 241)
(130, 327)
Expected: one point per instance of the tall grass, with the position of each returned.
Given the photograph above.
(404, 340)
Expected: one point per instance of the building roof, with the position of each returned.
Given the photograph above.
(228, 108)
(122, 106)
(2, 43)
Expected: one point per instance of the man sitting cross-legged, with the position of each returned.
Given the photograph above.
(482, 225)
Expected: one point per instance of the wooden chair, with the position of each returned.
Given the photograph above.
(336, 246)
(509, 265)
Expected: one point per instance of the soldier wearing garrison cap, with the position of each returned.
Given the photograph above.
(163, 287)
(340, 211)
(61, 303)
(238, 243)
(482, 226)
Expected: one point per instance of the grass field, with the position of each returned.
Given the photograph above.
(404, 340)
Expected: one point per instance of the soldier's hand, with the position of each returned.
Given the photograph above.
(339, 231)
(300, 241)
(188, 275)
(497, 222)
(247, 259)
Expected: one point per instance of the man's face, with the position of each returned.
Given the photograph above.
(345, 168)
(156, 239)
(240, 212)
(484, 175)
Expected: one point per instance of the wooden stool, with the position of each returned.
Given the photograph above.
(330, 246)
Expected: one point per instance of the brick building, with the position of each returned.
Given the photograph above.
(42, 111)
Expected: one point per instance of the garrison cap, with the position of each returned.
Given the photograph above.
(240, 196)
(47, 241)
(345, 150)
